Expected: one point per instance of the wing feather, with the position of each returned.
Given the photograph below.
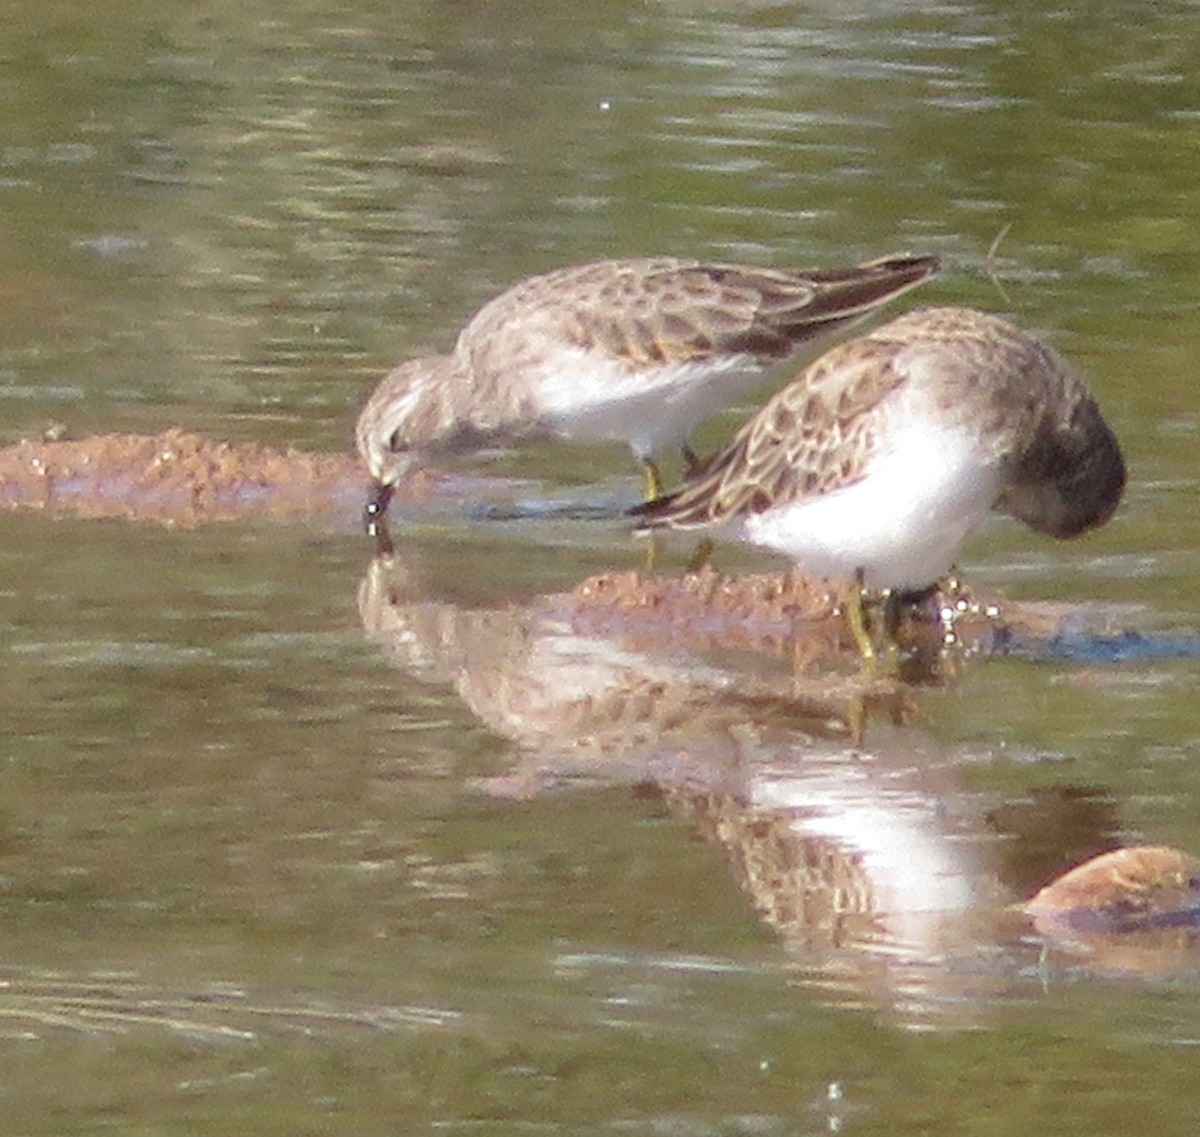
(667, 311)
(814, 436)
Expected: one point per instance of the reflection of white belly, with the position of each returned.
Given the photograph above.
(586, 399)
(880, 813)
(902, 523)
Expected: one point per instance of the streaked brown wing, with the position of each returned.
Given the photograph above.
(648, 313)
(812, 437)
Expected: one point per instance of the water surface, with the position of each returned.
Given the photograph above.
(277, 857)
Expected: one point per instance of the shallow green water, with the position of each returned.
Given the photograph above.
(268, 870)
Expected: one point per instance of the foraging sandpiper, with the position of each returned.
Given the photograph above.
(638, 351)
(880, 458)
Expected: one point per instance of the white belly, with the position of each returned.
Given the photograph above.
(584, 398)
(902, 523)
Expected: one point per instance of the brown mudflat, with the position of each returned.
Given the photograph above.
(756, 609)
(759, 598)
(1130, 889)
(175, 477)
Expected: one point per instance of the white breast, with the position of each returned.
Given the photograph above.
(585, 397)
(902, 523)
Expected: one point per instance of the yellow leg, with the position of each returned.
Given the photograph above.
(856, 719)
(889, 604)
(856, 618)
(654, 486)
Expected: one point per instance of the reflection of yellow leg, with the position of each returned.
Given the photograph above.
(856, 718)
(654, 486)
(651, 553)
(701, 557)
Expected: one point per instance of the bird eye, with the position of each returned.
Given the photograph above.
(395, 442)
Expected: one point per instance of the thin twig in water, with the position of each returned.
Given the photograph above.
(989, 262)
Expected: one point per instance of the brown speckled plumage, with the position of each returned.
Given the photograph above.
(1032, 423)
(577, 352)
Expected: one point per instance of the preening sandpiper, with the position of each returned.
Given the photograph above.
(884, 453)
(638, 351)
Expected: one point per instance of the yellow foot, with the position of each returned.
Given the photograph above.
(856, 617)
(877, 662)
(654, 486)
(651, 562)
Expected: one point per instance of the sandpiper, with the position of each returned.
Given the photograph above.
(638, 351)
(883, 454)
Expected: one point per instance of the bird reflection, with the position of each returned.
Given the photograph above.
(576, 703)
(857, 847)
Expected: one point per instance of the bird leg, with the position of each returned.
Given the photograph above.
(378, 532)
(889, 604)
(653, 485)
(856, 618)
